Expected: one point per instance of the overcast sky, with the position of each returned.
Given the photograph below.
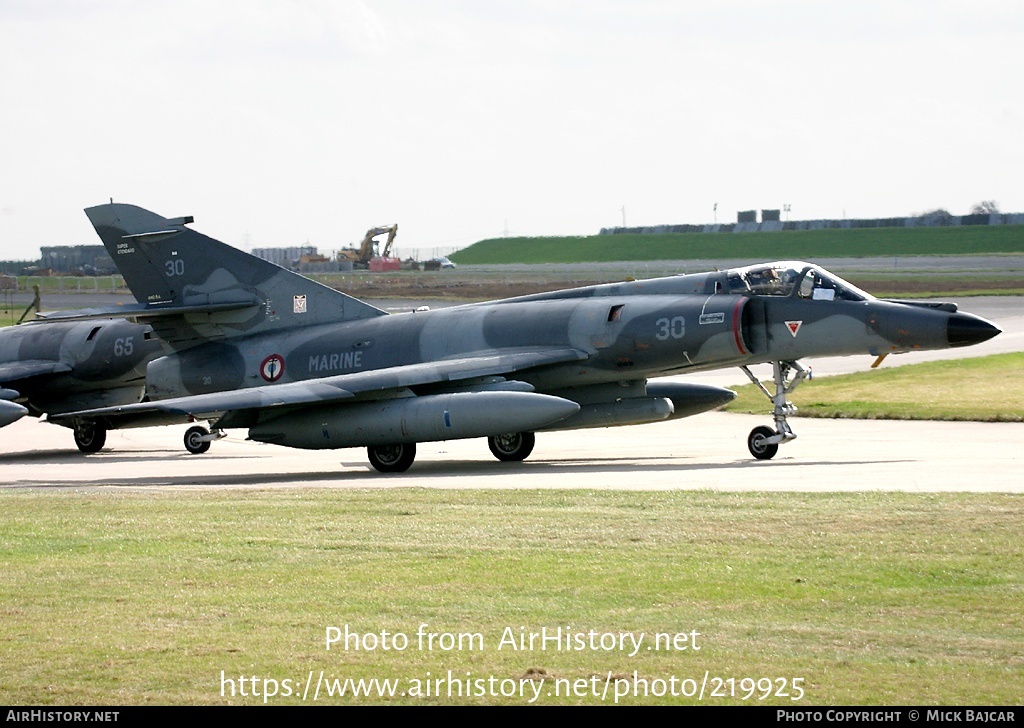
(279, 122)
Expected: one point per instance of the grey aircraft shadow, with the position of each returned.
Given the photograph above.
(360, 474)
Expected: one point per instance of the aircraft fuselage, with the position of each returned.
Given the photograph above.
(625, 335)
(56, 366)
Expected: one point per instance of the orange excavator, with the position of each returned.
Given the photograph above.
(368, 254)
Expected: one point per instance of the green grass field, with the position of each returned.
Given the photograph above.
(986, 389)
(122, 597)
(799, 244)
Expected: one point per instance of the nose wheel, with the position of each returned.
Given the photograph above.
(759, 445)
(763, 442)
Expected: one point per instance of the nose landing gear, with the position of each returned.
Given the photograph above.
(763, 442)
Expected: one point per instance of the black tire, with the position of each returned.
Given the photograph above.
(392, 458)
(193, 442)
(90, 436)
(757, 445)
(512, 446)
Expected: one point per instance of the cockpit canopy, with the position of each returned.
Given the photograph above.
(792, 278)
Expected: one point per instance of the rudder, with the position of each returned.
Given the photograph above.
(169, 266)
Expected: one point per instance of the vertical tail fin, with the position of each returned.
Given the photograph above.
(168, 266)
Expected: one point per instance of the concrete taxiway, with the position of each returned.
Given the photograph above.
(706, 451)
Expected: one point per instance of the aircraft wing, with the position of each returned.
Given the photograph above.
(327, 389)
(16, 370)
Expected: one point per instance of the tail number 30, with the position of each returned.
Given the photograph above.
(673, 328)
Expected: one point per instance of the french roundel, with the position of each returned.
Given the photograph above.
(272, 367)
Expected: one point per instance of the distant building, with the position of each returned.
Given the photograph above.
(83, 259)
(17, 267)
(285, 257)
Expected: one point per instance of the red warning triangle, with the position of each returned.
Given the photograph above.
(794, 327)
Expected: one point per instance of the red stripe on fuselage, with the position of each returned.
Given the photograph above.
(736, 327)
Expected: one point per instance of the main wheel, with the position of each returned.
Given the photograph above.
(90, 436)
(194, 441)
(758, 446)
(392, 458)
(512, 446)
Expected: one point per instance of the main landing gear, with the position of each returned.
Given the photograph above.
(510, 447)
(198, 439)
(763, 442)
(90, 436)
(392, 458)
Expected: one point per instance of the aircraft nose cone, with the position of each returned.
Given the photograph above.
(965, 329)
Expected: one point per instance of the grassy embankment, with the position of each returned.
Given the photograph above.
(797, 244)
(896, 243)
(986, 389)
(114, 597)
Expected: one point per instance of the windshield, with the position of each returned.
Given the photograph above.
(789, 279)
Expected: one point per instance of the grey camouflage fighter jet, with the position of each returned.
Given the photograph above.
(52, 366)
(301, 365)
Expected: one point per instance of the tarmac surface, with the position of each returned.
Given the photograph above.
(707, 451)
(703, 452)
